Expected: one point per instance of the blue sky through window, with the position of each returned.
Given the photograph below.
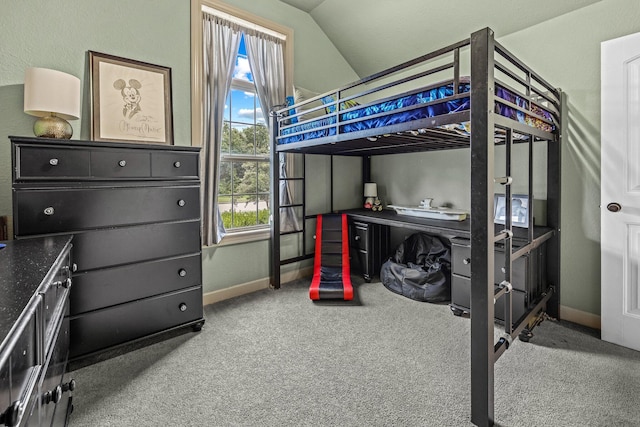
(243, 103)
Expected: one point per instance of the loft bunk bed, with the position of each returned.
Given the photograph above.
(429, 104)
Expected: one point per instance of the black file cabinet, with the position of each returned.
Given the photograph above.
(527, 278)
(134, 211)
(369, 245)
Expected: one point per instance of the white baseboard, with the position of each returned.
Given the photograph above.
(580, 317)
(253, 286)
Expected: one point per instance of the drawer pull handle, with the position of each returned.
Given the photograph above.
(182, 272)
(182, 307)
(177, 165)
(49, 211)
(67, 283)
(52, 396)
(466, 261)
(181, 203)
(356, 238)
(53, 162)
(70, 386)
(74, 268)
(122, 163)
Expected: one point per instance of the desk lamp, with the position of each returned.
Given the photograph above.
(54, 97)
(370, 194)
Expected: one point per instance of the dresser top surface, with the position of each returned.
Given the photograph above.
(24, 265)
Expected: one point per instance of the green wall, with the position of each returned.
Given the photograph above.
(58, 34)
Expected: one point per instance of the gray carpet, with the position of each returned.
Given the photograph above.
(274, 358)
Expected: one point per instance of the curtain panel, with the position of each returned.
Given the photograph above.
(221, 40)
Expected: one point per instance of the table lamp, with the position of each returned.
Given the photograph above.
(53, 97)
(370, 194)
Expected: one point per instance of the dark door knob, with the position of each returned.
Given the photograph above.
(614, 207)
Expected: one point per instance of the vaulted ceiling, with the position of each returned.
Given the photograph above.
(374, 34)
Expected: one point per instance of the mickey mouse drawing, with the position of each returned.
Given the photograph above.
(130, 95)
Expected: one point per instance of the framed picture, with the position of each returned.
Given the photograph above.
(519, 210)
(131, 100)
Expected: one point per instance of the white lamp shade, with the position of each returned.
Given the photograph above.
(50, 91)
(370, 189)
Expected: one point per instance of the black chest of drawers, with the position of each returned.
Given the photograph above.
(35, 280)
(134, 211)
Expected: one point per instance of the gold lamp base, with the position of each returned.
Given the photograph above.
(52, 127)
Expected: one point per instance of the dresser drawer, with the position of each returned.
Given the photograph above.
(174, 165)
(108, 327)
(111, 247)
(111, 286)
(54, 371)
(461, 298)
(120, 164)
(74, 209)
(54, 297)
(20, 365)
(39, 162)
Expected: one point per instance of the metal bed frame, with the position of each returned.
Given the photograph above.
(487, 58)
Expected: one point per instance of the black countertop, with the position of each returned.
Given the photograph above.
(24, 265)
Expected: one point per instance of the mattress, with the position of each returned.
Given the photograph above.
(414, 106)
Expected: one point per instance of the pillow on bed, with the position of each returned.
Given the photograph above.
(330, 108)
(301, 95)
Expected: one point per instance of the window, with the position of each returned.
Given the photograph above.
(243, 191)
(240, 175)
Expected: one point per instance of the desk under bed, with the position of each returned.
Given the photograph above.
(470, 95)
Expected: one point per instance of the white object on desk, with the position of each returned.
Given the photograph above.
(431, 213)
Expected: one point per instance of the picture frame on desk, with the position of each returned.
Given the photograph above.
(130, 100)
(519, 209)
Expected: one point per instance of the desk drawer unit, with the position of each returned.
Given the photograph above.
(369, 245)
(134, 210)
(527, 278)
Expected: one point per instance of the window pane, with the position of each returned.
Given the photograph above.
(242, 106)
(226, 135)
(259, 113)
(242, 140)
(242, 70)
(245, 177)
(262, 139)
(224, 186)
(264, 176)
(245, 212)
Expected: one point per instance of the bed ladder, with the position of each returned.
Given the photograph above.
(484, 351)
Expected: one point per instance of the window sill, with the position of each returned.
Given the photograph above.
(238, 237)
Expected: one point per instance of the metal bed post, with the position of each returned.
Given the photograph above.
(275, 205)
(482, 228)
(554, 160)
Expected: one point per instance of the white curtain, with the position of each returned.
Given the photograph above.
(221, 41)
(266, 59)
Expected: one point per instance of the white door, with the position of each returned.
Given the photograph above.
(620, 191)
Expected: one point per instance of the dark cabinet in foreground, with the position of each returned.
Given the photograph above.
(134, 211)
(35, 280)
